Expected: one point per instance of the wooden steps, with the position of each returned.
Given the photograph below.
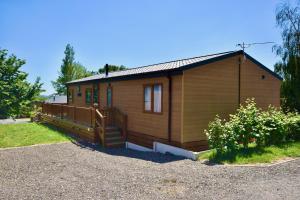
(113, 137)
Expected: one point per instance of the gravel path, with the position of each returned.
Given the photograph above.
(70, 171)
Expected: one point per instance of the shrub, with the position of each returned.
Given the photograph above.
(245, 123)
(273, 127)
(216, 134)
(293, 127)
(249, 124)
(220, 136)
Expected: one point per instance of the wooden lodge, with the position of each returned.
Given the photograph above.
(169, 102)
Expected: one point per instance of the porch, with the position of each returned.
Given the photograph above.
(106, 126)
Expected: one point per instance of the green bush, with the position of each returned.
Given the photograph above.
(293, 127)
(252, 125)
(216, 134)
(220, 136)
(245, 123)
(273, 127)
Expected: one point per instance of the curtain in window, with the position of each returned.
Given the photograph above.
(157, 98)
(147, 98)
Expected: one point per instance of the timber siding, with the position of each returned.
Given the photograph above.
(265, 91)
(214, 89)
(128, 97)
(208, 90)
(80, 100)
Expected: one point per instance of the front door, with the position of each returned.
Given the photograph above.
(109, 96)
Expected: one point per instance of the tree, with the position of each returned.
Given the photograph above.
(288, 19)
(16, 94)
(112, 68)
(69, 70)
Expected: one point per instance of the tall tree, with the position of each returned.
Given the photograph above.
(69, 70)
(288, 19)
(112, 68)
(16, 93)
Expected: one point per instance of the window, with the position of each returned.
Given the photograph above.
(70, 96)
(147, 98)
(88, 96)
(78, 91)
(157, 91)
(95, 93)
(153, 98)
(109, 96)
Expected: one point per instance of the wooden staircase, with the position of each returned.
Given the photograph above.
(113, 137)
(110, 125)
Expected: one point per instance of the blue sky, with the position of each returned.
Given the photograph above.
(132, 32)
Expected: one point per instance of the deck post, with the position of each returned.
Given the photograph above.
(74, 115)
(61, 112)
(91, 112)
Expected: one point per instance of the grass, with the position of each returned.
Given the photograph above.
(16, 135)
(254, 154)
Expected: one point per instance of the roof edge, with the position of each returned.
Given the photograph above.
(181, 69)
(197, 64)
(263, 66)
(211, 60)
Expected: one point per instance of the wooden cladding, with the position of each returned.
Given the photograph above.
(207, 91)
(259, 84)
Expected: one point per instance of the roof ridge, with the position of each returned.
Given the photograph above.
(180, 63)
(173, 61)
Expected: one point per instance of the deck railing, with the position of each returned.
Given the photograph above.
(81, 115)
(98, 119)
(100, 125)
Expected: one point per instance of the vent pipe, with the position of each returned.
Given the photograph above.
(106, 70)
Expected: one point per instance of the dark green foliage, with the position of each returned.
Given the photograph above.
(272, 127)
(112, 68)
(288, 19)
(69, 70)
(17, 95)
(252, 125)
(216, 134)
(293, 127)
(244, 123)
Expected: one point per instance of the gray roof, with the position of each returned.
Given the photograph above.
(171, 65)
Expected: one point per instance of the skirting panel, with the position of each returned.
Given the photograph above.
(147, 141)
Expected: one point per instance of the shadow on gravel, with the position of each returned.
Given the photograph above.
(147, 156)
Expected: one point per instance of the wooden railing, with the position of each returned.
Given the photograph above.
(115, 117)
(80, 115)
(98, 119)
(100, 125)
(120, 120)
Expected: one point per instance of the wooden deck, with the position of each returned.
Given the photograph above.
(107, 126)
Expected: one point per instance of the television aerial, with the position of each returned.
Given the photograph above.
(243, 45)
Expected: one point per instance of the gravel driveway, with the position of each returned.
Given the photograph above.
(70, 171)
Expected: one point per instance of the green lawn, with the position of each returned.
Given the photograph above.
(15, 135)
(255, 155)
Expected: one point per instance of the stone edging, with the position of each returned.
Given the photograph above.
(277, 162)
(34, 145)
